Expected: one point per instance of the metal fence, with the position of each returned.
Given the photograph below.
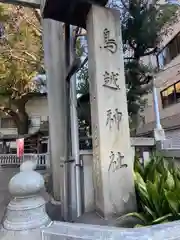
(12, 159)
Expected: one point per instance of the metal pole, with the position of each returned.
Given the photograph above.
(75, 131)
(156, 106)
(68, 153)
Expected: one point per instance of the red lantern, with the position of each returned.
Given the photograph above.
(20, 147)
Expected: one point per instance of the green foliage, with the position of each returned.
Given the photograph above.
(158, 191)
(137, 80)
(142, 25)
(21, 59)
(142, 30)
(79, 48)
(82, 75)
(83, 81)
(21, 50)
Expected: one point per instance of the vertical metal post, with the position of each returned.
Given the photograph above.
(68, 153)
(75, 130)
(156, 106)
(159, 133)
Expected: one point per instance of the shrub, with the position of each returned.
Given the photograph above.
(157, 188)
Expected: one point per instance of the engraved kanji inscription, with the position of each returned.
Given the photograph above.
(110, 80)
(109, 43)
(113, 118)
(96, 144)
(96, 165)
(116, 161)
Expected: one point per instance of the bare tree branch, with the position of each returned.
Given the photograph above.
(83, 63)
(129, 58)
(150, 52)
(10, 112)
(37, 31)
(37, 13)
(30, 55)
(22, 59)
(124, 5)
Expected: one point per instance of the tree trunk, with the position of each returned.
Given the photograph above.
(21, 118)
(23, 123)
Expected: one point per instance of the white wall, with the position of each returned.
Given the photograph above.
(150, 61)
(6, 131)
(165, 78)
(37, 109)
(87, 158)
(174, 137)
(173, 29)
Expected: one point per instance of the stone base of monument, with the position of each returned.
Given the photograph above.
(25, 214)
(53, 209)
(94, 218)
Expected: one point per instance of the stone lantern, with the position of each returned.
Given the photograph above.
(72, 12)
(25, 214)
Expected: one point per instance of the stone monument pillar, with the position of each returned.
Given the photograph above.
(54, 52)
(112, 153)
(25, 214)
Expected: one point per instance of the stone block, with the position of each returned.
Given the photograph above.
(74, 231)
(113, 155)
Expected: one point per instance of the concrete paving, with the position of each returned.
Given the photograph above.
(5, 175)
